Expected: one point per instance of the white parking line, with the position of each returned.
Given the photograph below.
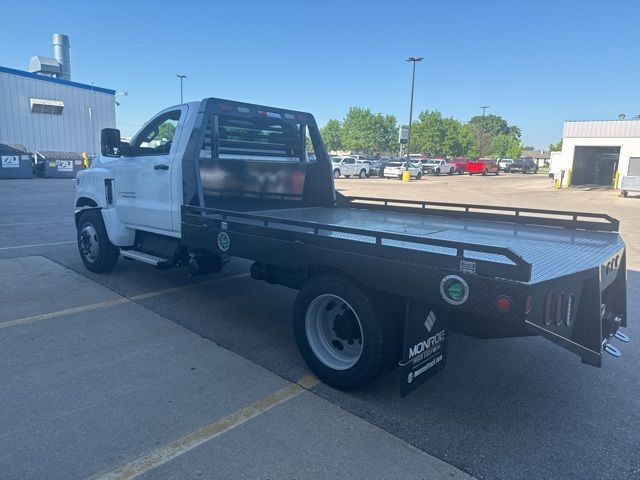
(36, 245)
(64, 220)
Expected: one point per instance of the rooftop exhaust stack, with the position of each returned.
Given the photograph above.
(60, 66)
(61, 54)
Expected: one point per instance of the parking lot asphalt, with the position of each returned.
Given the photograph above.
(100, 389)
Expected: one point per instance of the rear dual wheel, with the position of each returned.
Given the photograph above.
(346, 335)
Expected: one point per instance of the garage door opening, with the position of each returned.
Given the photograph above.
(595, 165)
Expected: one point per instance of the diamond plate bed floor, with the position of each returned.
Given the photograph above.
(552, 251)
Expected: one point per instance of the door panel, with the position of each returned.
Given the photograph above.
(143, 177)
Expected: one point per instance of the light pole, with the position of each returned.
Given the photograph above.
(406, 176)
(181, 77)
(121, 94)
(484, 107)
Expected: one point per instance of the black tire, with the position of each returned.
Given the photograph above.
(91, 228)
(451, 171)
(470, 173)
(497, 172)
(336, 173)
(363, 173)
(461, 171)
(437, 172)
(380, 330)
(485, 172)
(347, 176)
(418, 176)
(625, 193)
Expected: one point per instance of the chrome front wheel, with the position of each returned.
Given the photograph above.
(89, 244)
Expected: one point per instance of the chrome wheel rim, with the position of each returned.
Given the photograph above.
(89, 246)
(334, 332)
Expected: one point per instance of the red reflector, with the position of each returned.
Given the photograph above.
(529, 305)
(503, 303)
(548, 308)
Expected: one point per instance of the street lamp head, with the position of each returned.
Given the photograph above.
(415, 59)
(181, 76)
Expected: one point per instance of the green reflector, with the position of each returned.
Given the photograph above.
(456, 291)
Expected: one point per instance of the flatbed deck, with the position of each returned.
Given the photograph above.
(552, 251)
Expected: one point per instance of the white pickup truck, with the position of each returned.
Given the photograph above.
(381, 281)
(348, 166)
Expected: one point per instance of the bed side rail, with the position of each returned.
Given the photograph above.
(517, 268)
(525, 216)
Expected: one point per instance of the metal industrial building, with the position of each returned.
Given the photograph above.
(599, 152)
(47, 111)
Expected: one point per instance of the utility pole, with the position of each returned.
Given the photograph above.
(413, 60)
(484, 107)
(181, 77)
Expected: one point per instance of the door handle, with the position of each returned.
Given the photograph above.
(161, 166)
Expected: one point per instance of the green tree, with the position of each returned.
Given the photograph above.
(166, 131)
(427, 133)
(556, 147)
(387, 133)
(437, 136)
(490, 126)
(332, 135)
(506, 146)
(363, 131)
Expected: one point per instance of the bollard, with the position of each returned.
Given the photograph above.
(406, 175)
(569, 175)
(85, 160)
(616, 179)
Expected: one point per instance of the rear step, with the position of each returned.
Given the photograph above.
(158, 262)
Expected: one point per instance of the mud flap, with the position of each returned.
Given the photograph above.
(424, 350)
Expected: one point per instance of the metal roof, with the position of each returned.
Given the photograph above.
(58, 155)
(43, 78)
(13, 148)
(602, 129)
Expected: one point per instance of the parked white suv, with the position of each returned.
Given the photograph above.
(348, 166)
(395, 169)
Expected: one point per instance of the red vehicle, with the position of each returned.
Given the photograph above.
(460, 163)
(484, 166)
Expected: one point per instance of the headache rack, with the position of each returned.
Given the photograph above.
(498, 262)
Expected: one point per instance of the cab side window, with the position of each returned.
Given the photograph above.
(157, 137)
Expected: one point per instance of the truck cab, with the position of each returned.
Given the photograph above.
(138, 186)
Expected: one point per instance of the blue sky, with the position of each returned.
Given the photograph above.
(535, 63)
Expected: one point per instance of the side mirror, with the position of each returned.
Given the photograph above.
(110, 143)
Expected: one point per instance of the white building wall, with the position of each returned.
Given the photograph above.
(86, 111)
(607, 133)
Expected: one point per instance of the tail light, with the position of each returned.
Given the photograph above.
(560, 311)
(548, 308)
(529, 305)
(569, 319)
